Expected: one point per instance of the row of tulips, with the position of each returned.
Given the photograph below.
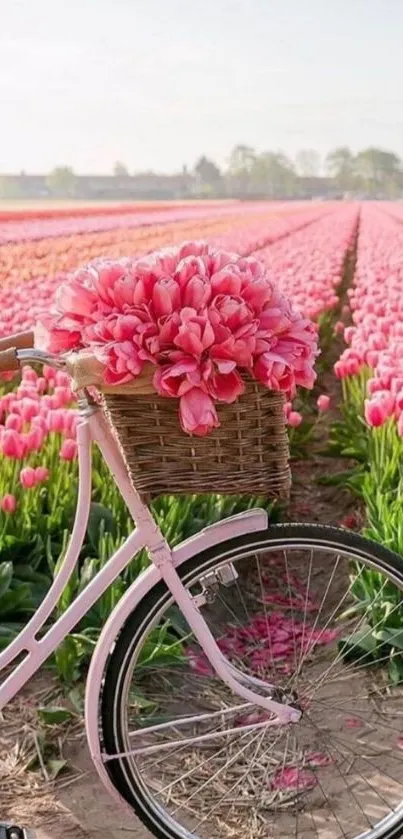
(375, 338)
(32, 230)
(371, 430)
(309, 267)
(65, 253)
(309, 264)
(20, 231)
(33, 271)
(78, 210)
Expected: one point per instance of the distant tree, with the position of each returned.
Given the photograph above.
(273, 175)
(62, 182)
(120, 170)
(379, 171)
(340, 165)
(241, 162)
(308, 163)
(208, 173)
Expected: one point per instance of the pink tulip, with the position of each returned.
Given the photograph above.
(197, 293)
(174, 380)
(29, 408)
(349, 333)
(68, 450)
(371, 358)
(374, 385)
(340, 369)
(294, 419)
(41, 384)
(323, 402)
(28, 478)
(227, 282)
(34, 440)
(29, 375)
(274, 373)
(188, 267)
(226, 387)
(41, 474)
(375, 413)
(195, 334)
(287, 408)
(62, 379)
(197, 413)
(63, 396)
(27, 391)
(8, 503)
(14, 421)
(55, 420)
(122, 362)
(192, 249)
(166, 297)
(55, 340)
(12, 444)
(40, 422)
(49, 374)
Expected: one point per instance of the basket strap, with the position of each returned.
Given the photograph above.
(86, 371)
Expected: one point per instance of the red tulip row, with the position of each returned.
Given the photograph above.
(77, 210)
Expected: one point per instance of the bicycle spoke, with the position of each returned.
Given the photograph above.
(266, 616)
(234, 786)
(291, 608)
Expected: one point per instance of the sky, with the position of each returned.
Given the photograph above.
(157, 83)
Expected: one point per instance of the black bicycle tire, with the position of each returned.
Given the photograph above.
(143, 614)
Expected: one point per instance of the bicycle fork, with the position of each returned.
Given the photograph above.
(240, 683)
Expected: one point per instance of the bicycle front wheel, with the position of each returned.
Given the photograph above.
(313, 610)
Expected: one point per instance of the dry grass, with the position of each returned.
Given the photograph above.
(31, 752)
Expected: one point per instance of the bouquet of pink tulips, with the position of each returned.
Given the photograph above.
(202, 318)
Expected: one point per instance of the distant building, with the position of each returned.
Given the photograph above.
(318, 188)
(150, 186)
(147, 185)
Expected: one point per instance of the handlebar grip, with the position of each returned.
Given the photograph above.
(9, 360)
(18, 341)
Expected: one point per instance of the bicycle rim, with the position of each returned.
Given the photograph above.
(294, 616)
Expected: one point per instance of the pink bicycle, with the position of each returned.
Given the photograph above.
(232, 690)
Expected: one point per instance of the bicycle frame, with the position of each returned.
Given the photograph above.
(93, 427)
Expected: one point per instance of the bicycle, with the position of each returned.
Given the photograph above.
(229, 692)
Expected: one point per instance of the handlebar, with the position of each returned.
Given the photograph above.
(19, 349)
(18, 341)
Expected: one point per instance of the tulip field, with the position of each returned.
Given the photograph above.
(310, 251)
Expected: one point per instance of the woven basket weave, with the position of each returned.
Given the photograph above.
(248, 454)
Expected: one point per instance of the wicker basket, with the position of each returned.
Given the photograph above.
(248, 454)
